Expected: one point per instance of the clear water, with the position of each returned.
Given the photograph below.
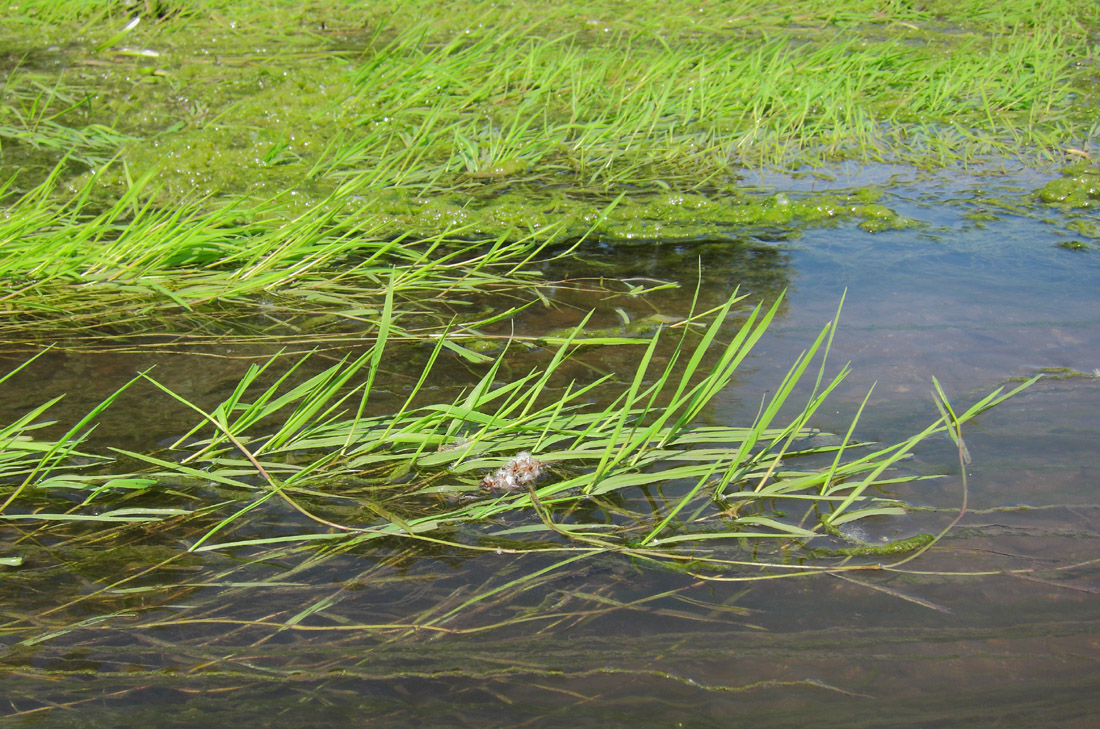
(998, 628)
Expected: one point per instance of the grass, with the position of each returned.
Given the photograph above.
(134, 269)
(405, 194)
(130, 272)
(381, 176)
(413, 472)
(150, 191)
(293, 532)
(588, 97)
(298, 470)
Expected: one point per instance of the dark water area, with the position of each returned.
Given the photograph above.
(998, 626)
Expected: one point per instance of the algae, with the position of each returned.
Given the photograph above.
(898, 546)
(642, 327)
(524, 119)
(1060, 373)
(1078, 187)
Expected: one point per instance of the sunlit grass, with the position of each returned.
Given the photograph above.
(403, 98)
(416, 472)
(78, 268)
(366, 178)
(291, 475)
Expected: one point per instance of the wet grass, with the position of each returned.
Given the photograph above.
(425, 472)
(291, 536)
(106, 272)
(592, 98)
(282, 184)
(166, 170)
(403, 189)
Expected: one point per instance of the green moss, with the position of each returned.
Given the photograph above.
(1084, 225)
(981, 217)
(1064, 372)
(641, 218)
(484, 345)
(900, 546)
(1059, 373)
(639, 328)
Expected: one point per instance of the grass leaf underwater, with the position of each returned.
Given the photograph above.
(417, 472)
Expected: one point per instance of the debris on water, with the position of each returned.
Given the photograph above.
(522, 470)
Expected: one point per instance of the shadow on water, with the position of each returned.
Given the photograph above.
(990, 628)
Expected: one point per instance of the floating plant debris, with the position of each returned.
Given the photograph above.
(521, 471)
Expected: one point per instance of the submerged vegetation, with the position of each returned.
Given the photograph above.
(533, 465)
(165, 162)
(417, 468)
(398, 218)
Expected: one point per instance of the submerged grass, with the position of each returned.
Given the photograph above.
(296, 480)
(414, 473)
(382, 178)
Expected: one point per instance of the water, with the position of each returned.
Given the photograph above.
(996, 627)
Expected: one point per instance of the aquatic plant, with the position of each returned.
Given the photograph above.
(201, 273)
(432, 472)
(147, 191)
(434, 105)
(384, 190)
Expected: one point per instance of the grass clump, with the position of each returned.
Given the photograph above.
(590, 97)
(663, 487)
(131, 268)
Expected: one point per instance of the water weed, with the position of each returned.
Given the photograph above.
(405, 99)
(433, 471)
(373, 335)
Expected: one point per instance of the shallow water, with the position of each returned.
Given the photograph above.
(996, 627)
